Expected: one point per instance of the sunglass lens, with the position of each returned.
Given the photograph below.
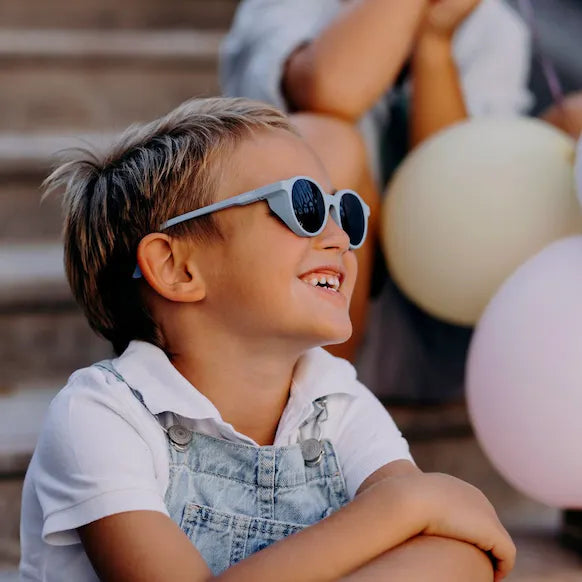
(352, 218)
(308, 205)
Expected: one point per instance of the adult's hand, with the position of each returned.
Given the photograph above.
(444, 16)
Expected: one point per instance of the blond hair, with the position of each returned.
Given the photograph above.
(154, 172)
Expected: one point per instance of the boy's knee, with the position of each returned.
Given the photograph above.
(338, 143)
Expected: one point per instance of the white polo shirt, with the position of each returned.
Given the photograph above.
(101, 452)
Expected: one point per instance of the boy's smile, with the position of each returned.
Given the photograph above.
(265, 280)
(324, 278)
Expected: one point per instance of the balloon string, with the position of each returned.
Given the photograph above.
(548, 69)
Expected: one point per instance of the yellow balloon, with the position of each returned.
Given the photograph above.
(471, 204)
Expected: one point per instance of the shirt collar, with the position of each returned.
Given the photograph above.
(320, 374)
(147, 369)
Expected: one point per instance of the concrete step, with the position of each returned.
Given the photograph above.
(25, 161)
(84, 80)
(21, 417)
(111, 14)
(44, 334)
(46, 344)
(32, 277)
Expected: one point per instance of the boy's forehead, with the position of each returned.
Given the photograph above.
(268, 156)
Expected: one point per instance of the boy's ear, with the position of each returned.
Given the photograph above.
(169, 267)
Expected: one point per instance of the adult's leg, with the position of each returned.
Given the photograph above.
(429, 559)
(341, 148)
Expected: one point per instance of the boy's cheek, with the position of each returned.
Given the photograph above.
(352, 273)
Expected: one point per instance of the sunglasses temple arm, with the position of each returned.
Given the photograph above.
(240, 200)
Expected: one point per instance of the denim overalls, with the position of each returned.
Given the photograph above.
(234, 499)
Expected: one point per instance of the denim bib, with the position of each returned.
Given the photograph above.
(234, 499)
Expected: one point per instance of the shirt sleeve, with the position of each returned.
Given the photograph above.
(367, 438)
(493, 52)
(90, 462)
(263, 36)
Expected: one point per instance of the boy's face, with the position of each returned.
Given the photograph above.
(259, 279)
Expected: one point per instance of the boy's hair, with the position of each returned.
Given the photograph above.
(154, 172)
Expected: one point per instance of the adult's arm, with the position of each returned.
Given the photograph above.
(437, 100)
(355, 59)
(437, 97)
(480, 70)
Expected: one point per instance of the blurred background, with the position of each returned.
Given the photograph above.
(89, 68)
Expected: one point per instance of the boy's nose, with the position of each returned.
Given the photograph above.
(333, 236)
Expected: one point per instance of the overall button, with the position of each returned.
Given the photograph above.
(180, 436)
(312, 452)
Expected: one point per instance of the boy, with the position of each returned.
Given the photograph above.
(222, 427)
(400, 71)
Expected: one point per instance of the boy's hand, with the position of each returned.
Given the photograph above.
(454, 509)
(444, 16)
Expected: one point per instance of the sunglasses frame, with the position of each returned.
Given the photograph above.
(279, 197)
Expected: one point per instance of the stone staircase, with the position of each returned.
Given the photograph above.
(94, 80)
(71, 71)
(83, 70)
(115, 15)
(112, 64)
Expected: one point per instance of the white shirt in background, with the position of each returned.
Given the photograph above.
(492, 49)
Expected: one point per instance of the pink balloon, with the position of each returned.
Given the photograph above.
(524, 376)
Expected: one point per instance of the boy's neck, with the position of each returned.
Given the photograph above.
(249, 385)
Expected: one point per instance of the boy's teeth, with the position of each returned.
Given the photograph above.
(328, 281)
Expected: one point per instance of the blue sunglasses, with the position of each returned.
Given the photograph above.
(301, 204)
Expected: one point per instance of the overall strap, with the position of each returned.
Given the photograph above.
(312, 448)
(176, 433)
(108, 366)
(180, 437)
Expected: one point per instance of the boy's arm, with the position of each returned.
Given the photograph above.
(393, 469)
(355, 59)
(141, 546)
(428, 558)
(450, 560)
(144, 546)
(384, 518)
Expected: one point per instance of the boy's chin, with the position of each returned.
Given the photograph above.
(322, 333)
(337, 336)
